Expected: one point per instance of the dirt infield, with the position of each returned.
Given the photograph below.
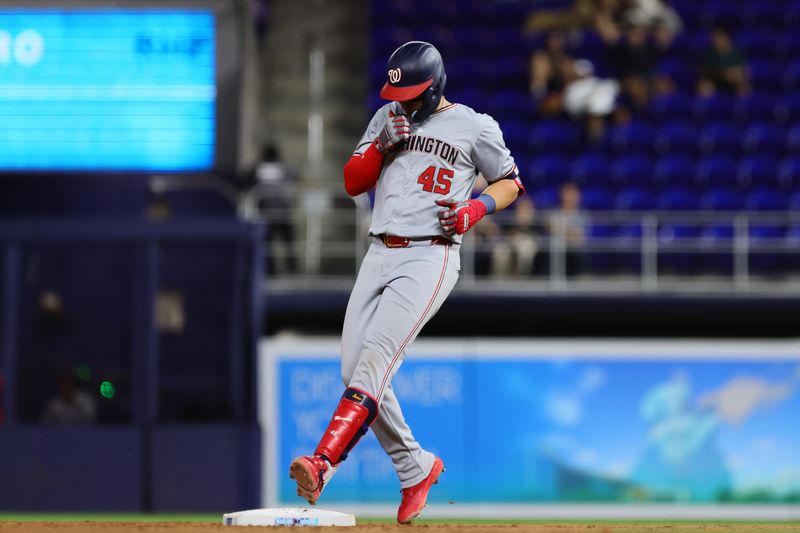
(599, 527)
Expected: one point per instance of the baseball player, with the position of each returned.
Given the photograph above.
(424, 153)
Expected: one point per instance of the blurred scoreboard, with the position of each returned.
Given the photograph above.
(112, 89)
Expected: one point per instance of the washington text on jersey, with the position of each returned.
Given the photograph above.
(418, 143)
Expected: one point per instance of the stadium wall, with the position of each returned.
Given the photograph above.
(525, 424)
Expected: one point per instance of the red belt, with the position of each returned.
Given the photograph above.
(396, 241)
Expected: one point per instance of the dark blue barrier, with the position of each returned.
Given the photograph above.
(206, 468)
(193, 469)
(91, 469)
(203, 375)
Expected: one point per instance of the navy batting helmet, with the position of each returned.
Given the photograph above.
(415, 70)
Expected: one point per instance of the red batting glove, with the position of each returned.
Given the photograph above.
(460, 216)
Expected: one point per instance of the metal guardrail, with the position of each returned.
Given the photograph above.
(637, 251)
(652, 251)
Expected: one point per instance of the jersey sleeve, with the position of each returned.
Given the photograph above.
(491, 156)
(375, 125)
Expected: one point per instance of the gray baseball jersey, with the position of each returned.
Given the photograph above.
(399, 289)
(441, 160)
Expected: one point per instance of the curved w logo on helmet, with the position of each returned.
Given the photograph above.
(394, 75)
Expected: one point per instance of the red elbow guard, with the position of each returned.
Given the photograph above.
(362, 171)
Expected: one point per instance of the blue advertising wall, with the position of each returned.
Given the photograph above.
(531, 422)
(114, 90)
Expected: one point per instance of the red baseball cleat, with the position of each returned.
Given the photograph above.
(414, 498)
(311, 473)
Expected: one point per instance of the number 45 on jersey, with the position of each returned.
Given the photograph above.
(442, 182)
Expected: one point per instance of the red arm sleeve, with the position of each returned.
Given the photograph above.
(362, 171)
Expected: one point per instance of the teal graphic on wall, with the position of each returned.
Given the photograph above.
(567, 428)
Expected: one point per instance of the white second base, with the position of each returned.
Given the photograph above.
(288, 516)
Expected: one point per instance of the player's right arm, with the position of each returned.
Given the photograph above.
(361, 172)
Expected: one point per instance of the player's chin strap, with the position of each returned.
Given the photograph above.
(351, 420)
(430, 98)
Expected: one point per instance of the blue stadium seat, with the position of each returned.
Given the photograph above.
(471, 97)
(721, 13)
(476, 40)
(461, 74)
(787, 109)
(756, 43)
(758, 171)
(682, 73)
(677, 198)
(515, 134)
(767, 242)
(755, 107)
(765, 75)
(788, 44)
(635, 198)
(766, 199)
(673, 241)
(720, 139)
(676, 138)
(597, 198)
(793, 248)
(629, 257)
(510, 71)
(688, 10)
(763, 139)
(715, 171)
(443, 13)
(722, 199)
(555, 136)
(632, 138)
(510, 104)
(676, 106)
(443, 38)
(547, 170)
(673, 170)
(791, 145)
(791, 76)
(717, 108)
(632, 170)
(600, 261)
(794, 201)
(718, 237)
(762, 14)
(789, 174)
(591, 169)
(791, 19)
(547, 197)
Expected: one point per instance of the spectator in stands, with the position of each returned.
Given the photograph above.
(706, 88)
(71, 407)
(514, 253)
(634, 57)
(546, 65)
(568, 223)
(663, 21)
(580, 15)
(724, 65)
(277, 181)
(588, 97)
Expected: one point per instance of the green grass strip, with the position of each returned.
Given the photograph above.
(110, 517)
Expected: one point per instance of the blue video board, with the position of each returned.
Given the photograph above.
(107, 90)
(527, 422)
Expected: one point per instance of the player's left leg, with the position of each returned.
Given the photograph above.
(411, 462)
